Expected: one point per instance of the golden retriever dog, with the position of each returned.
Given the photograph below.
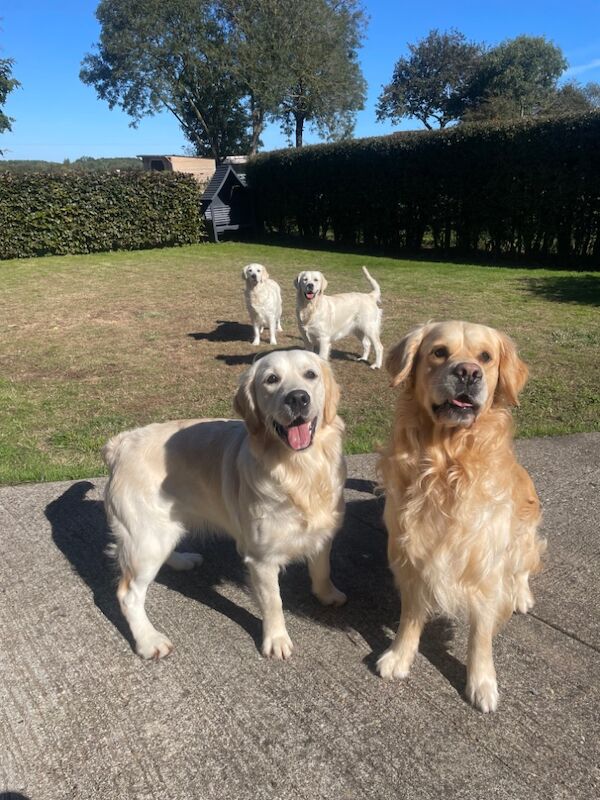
(263, 301)
(461, 513)
(273, 482)
(323, 319)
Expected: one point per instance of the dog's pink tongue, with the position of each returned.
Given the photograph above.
(461, 404)
(299, 436)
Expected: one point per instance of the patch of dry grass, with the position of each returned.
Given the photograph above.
(92, 344)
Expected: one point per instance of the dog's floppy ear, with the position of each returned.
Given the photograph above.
(324, 283)
(512, 373)
(401, 358)
(244, 273)
(264, 274)
(244, 402)
(332, 394)
(297, 280)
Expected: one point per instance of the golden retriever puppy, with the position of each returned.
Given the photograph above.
(263, 301)
(273, 482)
(323, 319)
(461, 513)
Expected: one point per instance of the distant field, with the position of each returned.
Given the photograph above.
(90, 345)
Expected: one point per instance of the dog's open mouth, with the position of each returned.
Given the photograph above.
(299, 434)
(309, 295)
(461, 406)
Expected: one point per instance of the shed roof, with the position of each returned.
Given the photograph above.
(219, 178)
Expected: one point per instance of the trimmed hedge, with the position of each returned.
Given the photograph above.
(43, 214)
(525, 189)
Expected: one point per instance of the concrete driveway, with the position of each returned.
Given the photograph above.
(82, 717)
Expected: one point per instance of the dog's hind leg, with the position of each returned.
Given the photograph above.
(140, 558)
(378, 347)
(366, 343)
(257, 331)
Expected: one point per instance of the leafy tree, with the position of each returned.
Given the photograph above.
(433, 83)
(154, 55)
(572, 98)
(7, 84)
(516, 79)
(324, 84)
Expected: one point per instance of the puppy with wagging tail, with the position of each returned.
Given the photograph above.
(273, 482)
(461, 513)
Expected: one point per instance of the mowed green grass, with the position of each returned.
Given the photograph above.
(90, 345)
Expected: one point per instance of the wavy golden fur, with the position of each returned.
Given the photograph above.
(461, 513)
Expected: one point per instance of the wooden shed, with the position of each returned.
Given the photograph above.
(202, 169)
(226, 202)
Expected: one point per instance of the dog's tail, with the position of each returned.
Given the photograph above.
(376, 290)
(111, 449)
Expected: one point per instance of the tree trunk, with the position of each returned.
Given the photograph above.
(299, 129)
(257, 127)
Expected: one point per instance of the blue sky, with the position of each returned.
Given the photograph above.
(57, 117)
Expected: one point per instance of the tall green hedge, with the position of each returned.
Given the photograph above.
(527, 189)
(43, 214)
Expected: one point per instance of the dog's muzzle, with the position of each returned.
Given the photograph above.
(465, 386)
(299, 433)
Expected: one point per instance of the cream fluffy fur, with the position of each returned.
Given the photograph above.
(323, 319)
(263, 301)
(461, 513)
(239, 478)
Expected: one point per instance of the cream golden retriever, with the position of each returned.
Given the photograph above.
(461, 513)
(273, 482)
(323, 319)
(263, 301)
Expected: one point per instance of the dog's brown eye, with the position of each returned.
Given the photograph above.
(485, 357)
(272, 378)
(310, 375)
(441, 352)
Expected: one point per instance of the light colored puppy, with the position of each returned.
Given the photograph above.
(461, 513)
(273, 482)
(323, 319)
(263, 301)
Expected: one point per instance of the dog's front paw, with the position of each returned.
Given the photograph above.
(256, 342)
(155, 645)
(278, 646)
(483, 694)
(375, 366)
(330, 596)
(393, 665)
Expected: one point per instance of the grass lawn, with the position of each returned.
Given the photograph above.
(90, 345)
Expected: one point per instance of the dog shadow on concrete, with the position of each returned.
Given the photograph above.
(359, 568)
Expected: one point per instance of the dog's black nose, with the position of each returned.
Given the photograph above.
(467, 372)
(297, 400)
(309, 287)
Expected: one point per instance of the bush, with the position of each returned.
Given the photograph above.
(524, 189)
(42, 214)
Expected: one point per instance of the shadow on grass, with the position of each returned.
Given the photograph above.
(583, 289)
(238, 359)
(359, 567)
(226, 331)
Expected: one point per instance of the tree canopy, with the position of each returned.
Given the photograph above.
(448, 79)
(223, 67)
(432, 84)
(7, 84)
